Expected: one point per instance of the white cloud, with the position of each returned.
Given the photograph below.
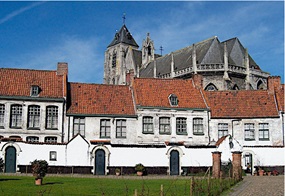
(19, 11)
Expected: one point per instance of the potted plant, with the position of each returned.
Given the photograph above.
(39, 170)
(118, 171)
(260, 171)
(139, 169)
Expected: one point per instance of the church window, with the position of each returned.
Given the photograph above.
(79, 126)
(147, 124)
(50, 139)
(114, 59)
(211, 87)
(181, 126)
(121, 129)
(52, 117)
(164, 125)
(260, 85)
(2, 114)
(35, 90)
(173, 100)
(263, 131)
(16, 116)
(105, 128)
(222, 129)
(34, 116)
(198, 126)
(249, 131)
(32, 139)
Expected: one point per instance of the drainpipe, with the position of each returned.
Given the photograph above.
(233, 126)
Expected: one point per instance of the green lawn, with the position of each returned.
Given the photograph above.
(24, 185)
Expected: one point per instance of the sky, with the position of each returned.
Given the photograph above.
(38, 35)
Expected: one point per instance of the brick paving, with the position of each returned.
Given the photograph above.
(259, 186)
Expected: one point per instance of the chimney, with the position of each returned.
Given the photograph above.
(62, 68)
(129, 76)
(273, 83)
(198, 80)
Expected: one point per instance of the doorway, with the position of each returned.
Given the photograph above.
(100, 162)
(174, 162)
(10, 160)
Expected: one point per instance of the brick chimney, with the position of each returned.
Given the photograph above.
(62, 68)
(273, 83)
(198, 80)
(129, 76)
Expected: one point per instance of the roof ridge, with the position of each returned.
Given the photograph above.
(19, 69)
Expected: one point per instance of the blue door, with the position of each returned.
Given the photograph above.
(174, 162)
(100, 162)
(10, 160)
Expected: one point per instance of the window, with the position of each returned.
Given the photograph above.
(34, 116)
(114, 59)
(35, 90)
(52, 117)
(173, 100)
(181, 126)
(222, 129)
(121, 129)
(16, 116)
(51, 139)
(164, 125)
(52, 155)
(147, 124)
(263, 131)
(2, 114)
(198, 126)
(79, 126)
(32, 139)
(249, 131)
(105, 128)
(211, 87)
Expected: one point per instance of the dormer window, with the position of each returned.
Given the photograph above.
(35, 90)
(173, 100)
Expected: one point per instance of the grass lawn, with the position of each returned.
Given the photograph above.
(61, 185)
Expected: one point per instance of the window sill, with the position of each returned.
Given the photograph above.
(249, 139)
(199, 134)
(33, 128)
(150, 133)
(181, 133)
(267, 139)
(165, 133)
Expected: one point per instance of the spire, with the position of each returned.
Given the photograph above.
(124, 18)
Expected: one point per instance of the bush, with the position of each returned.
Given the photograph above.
(39, 168)
(139, 167)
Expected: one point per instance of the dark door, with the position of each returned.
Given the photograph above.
(100, 162)
(10, 160)
(174, 162)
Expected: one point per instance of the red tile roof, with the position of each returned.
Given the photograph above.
(151, 92)
(280, 98)
(18, 82)
(100, 99)
(241, 104)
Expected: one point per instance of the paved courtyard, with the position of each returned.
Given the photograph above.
(259, 186)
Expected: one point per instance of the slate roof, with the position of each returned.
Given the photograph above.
(18, 82)
(209, 51)
(100, 99)
(150, 92)
(241, 104)
(123, 36)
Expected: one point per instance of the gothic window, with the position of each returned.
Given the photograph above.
(164, 125)
(16, 116)
(260, 85)
(51, 139)
(198, 126)
(222, 129)
(263, 131)
(249, 131)
(52, 117)
(35, 90)
(149, 50)
(121, 129)
(34, 116)
(2, 114)
(79, 126)
(173, 100)
(211, 87)
(114, 59)
(105, 128)
(32, 139)
(147, 124)
(181, 126)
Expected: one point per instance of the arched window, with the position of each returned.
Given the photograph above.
(114, 59)
(260, 85)
(211, 87)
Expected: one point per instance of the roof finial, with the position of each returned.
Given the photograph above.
(124, 18)
(161, 49)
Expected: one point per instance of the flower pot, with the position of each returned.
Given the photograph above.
(118, 173)
(268, 173)
(38, 181)
(261, 172)
(139, 173)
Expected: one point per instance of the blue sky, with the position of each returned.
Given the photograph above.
(37, 35)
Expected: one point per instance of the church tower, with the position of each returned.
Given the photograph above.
(115, 57)
(147, 51)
